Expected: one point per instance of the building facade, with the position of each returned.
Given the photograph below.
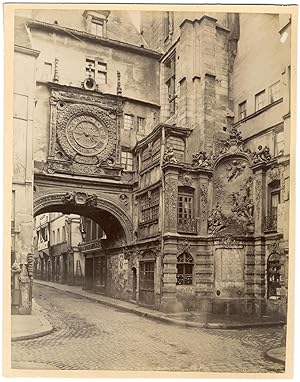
(56, 241)
(175, 140)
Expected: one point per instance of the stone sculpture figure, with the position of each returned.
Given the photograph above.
(169, 156)
(216, 220)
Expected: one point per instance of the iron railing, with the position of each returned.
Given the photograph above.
(271, 223)
(187, 225)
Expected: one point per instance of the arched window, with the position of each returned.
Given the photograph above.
(273, 275)
(185, 263)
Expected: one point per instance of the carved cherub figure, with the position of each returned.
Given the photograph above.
(169, 156)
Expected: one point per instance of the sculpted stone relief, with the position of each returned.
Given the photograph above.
(204, 200)
(233, 145)
(171, 190)
(233, 211)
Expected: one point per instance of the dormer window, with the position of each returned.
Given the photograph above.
(96, 22)
(97, 27)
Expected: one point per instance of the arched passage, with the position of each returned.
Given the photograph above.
(114, 221)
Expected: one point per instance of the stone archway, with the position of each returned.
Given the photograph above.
(116, 222)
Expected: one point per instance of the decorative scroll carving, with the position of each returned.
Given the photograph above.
(233, 145)
(203, 199)
(229, 242)
(169, 156)
(183, 246)
(80, 198)
(258, 191)
(186, 180)
(262, 155)
(171, 200)
(274, 174)
(84, 98)
(216, 220)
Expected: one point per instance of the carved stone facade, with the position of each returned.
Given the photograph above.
(167, 174)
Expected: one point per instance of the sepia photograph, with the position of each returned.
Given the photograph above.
(150, 172)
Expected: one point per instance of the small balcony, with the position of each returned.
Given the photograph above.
(271, 223)
(187, 225)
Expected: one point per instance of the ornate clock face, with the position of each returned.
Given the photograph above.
(87, 135)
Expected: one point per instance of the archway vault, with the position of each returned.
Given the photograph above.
(113, 219)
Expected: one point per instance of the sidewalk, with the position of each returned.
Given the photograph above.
(276, 355)
(187, 319)
(24, 327)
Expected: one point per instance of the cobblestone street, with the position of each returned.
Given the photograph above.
(89, 336)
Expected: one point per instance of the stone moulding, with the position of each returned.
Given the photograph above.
(58, 199)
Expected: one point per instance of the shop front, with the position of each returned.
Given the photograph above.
(95, 267)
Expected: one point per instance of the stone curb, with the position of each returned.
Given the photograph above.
(167, 320)
(32, 336)
(273, 358)
(45, 323)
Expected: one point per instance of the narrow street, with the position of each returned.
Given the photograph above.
(89, 336)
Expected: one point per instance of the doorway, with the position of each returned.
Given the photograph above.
(134, 283)
(146, 288)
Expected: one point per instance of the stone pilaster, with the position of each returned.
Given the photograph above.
(170, 200)
(169, 269)
(204, 204)
(259, 198)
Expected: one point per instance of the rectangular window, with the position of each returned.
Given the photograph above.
(96, 70)
(260, 100)
(141, 125)
(128, 121)
(185, 206)
(126, 160)
(53, 237)
(275, 92)
(149, 206)
(275, 200)
(58, 235)
(279, 143)
(97, 27)
(242, 110)
(170, 78)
